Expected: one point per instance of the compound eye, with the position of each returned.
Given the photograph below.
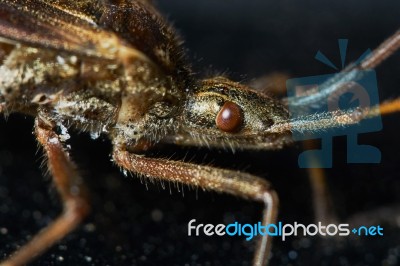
(229, 118)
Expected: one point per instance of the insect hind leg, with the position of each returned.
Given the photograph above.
(69, 185)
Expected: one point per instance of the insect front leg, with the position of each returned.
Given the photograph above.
(69, 185)
(233, 182)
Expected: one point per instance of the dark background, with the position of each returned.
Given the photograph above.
(134, 225)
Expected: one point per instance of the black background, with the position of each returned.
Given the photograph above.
(243, 39)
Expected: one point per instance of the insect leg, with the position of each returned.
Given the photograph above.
(318, 122)
(233, 182)
(71, 189)
(322, 201)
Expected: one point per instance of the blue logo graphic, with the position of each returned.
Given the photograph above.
(320, 96)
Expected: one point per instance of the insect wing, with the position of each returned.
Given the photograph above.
(48, 25)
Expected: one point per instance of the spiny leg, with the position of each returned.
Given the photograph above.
(71, 189)
(236, 183)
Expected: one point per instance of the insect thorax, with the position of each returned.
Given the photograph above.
(128, 102)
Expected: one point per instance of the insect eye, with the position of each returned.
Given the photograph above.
(229, 118)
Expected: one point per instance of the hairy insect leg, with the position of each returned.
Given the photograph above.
(71, 189)
(322, 201)
(236, 183)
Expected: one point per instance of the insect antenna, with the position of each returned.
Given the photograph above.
(350, 73)
(340, 118)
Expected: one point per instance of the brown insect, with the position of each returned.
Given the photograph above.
(117, 68)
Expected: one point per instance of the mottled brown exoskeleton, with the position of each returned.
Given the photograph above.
(116, 68)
